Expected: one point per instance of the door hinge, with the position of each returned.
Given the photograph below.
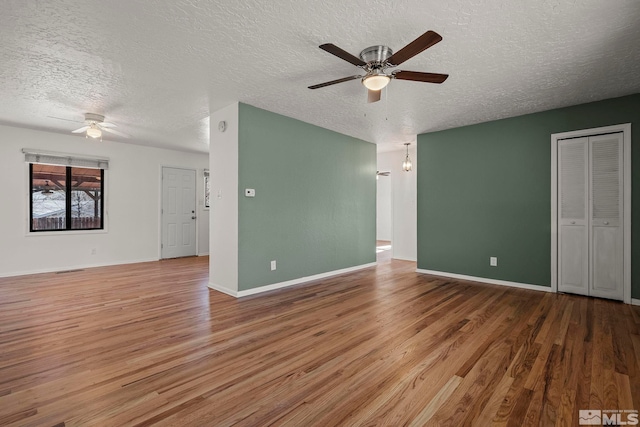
(161, 245)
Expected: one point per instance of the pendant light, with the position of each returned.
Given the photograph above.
(406, 165)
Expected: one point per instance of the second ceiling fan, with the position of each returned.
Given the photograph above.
(376, 60)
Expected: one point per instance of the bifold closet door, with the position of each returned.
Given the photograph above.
(605, 211)
(590, 226)
(573, 224)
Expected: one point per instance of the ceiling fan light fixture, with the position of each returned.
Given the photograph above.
(376, 81)
(94, 132)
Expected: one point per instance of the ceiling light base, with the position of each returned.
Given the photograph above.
(376, 54)
(95, 118)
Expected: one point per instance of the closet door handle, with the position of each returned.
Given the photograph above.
(606, 223)
(573, 222)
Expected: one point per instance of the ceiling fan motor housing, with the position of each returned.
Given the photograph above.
(93, 118)
(375, 56)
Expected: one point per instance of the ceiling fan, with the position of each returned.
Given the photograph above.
(376, 60)
(95, 124)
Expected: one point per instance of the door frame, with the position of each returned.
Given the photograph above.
(625, 128)
(161, 200)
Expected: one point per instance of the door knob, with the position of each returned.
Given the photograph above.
(193, 217)
(606, 223)
(573, 222)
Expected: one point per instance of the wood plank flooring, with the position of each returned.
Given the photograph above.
(150, 344)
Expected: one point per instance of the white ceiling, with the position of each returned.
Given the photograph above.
(158, 68)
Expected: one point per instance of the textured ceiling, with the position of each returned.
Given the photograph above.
(158, 68)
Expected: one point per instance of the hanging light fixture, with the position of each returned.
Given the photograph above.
(47, 189)
(406, 165)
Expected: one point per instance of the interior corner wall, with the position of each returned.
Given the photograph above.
(223, 169)
(403, 203)
(485, 190)
(314, 209)
(132, 204)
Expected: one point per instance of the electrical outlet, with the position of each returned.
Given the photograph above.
(493, 261)
(273, 265)
(250, 192)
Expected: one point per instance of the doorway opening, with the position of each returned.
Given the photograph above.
(384, 220)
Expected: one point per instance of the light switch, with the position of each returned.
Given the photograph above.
(250, 192)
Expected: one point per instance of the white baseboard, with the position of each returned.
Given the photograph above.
(223, 290)
(280, 285)
(635, 301)
(403, 259)
(203, 254)
(74, 267)
(485, 280)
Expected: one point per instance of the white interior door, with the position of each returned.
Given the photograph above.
(178, 212)
(606, 216)
(573, 231)
(590, 208)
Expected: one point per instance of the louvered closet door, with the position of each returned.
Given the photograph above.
(606, 275)
(573, 230)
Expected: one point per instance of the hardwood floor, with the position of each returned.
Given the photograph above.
(150, 344)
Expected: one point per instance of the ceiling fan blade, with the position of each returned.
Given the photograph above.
(82, 129)
(374, 95)
(417, 76)
(332, 82)
(107, 125)
(420, 44)
(115, 132)
(66, 120)
(342, 54)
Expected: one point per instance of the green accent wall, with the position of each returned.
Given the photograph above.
(315, 204)
(484, 190)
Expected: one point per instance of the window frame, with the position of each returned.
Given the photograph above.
(68, 207)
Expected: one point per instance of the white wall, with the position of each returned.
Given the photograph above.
(223, 160)
(404, 203)
(132, 208)
(384, 227)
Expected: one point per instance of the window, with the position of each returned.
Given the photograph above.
(66, 197)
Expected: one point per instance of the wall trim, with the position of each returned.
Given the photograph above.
(203, 254)
(76, 267)
(222, 289)
(486, 280)
(404, 259)
(280, 285)
(625, 128)
(635, 301)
